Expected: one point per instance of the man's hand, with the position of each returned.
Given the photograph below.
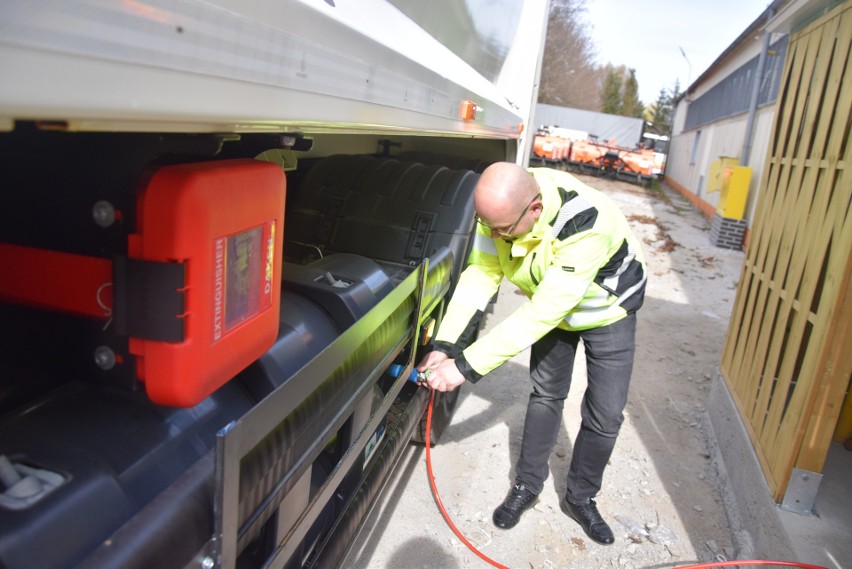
(445, 377)
(432, 360)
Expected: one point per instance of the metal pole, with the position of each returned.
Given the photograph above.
(755, 93)
(689, 65)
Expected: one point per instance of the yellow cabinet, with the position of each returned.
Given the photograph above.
(732, 181)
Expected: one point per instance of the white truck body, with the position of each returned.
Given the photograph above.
(255, 66)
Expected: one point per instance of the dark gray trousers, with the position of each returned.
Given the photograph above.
(609, 363)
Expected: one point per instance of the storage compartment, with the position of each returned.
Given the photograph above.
(382, 208)
(346, 286)
(129, 483)
(115, 452)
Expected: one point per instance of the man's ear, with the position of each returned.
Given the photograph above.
(537, 208)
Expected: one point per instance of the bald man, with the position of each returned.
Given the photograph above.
(569, 249)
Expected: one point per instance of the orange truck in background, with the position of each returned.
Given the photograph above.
(579, 152)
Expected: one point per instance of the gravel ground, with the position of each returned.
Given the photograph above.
(662, 489)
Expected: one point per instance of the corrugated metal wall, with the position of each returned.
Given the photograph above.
(732, 95)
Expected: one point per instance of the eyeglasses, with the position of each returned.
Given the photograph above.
(502, 230)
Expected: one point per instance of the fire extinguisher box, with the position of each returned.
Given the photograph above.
(200, 289)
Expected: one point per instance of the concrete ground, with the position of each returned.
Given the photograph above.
(825, 537)
(666, 494)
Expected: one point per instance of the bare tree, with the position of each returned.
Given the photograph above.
(569, 76)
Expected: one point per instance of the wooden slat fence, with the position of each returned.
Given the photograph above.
(788, 352)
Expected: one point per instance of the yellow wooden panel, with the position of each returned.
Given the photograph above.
(828, 214)
(786, 357)
(788, 413)
(843, 430)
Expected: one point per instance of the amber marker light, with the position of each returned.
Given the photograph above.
(468, 110)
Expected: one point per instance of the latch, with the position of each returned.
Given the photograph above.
(23, 486)
(420, 233)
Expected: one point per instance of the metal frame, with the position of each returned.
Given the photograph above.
(240, 438)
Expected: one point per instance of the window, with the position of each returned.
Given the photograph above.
(695, 146)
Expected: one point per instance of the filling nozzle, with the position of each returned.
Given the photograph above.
(416, 376)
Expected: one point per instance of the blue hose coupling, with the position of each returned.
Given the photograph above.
(416, 376)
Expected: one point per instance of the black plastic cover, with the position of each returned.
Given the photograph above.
(383, 208)
(117, 452)
(304, 329)
(346, 286)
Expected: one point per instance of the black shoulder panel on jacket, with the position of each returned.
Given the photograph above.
(580, 221)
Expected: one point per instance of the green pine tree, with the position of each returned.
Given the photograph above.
(631, 105)
(663, 109)
(611, 96)
(661, 117)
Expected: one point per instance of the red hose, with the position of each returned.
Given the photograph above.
(747, 562)
(438, 498)
(735, 563)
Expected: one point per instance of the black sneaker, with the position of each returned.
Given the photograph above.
(590, 520)
(518, 500)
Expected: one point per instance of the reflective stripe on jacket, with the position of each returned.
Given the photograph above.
(581, 267)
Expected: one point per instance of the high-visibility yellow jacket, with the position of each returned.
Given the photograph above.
(580, 266)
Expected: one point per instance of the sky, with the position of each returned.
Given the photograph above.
(648, 36)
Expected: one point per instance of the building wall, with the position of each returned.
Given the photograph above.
(694, 148)
(688, 164)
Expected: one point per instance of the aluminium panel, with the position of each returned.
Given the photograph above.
(189, 65)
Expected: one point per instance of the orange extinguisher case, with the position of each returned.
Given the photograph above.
(224, 221)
